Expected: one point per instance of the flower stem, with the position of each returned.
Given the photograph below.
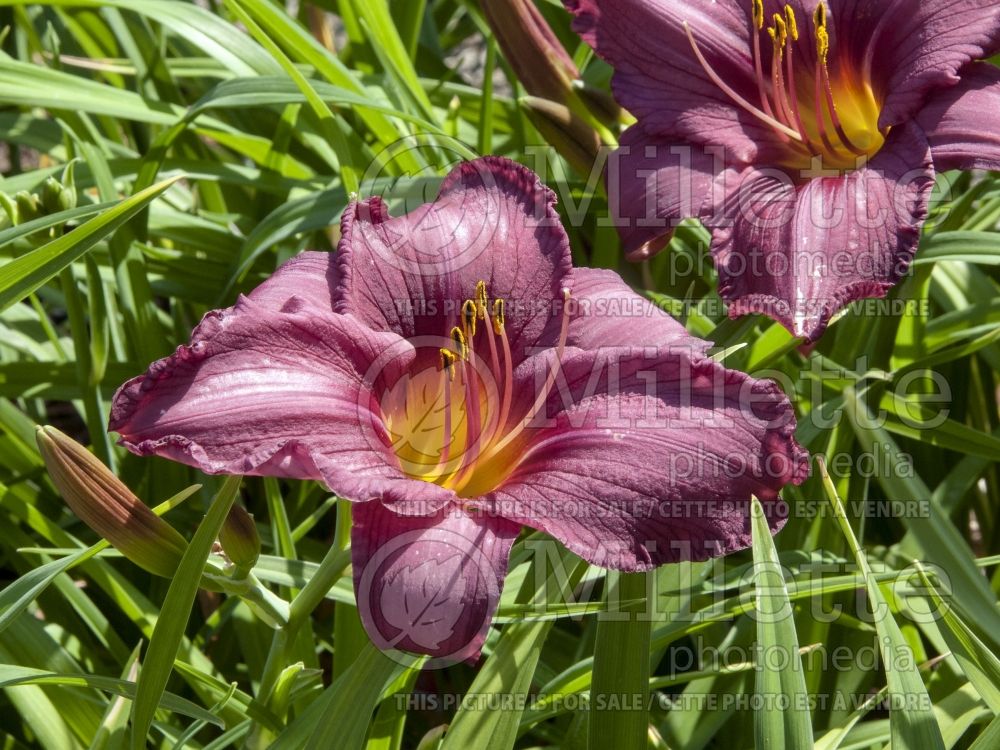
(329, 572)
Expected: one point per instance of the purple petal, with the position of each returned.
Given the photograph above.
(653, 184)
(606, 312)
(919, 45)
(963, 123)
(651, 457)
(798, 253)
(494, 221)
(270, 393)
(311, 278)
(429, 584)
(658, 77)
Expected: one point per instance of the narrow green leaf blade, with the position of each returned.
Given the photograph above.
(783, 718)
(621, 669)
(912, 723)
(173, 617)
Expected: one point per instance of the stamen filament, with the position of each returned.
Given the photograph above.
(821, 113)
(550, 380)
(832, 106)
(508, 379)
(499, 321)
(731, 93)
(793, 93)
(779, 38)
(473, 432)
(442, 468)
(824, 89)
(495, 371)
(758, 22)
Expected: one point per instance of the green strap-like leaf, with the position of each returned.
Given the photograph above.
(174, 613)
(619, 694)
(912, 723)
(782, 719)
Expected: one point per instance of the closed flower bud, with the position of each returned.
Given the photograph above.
(50, 195)
(103, 502)
(10, 215)
(600, 103)
(239, 539)
(29, 207)
(56, 197)
(68, 181)
(531, 48)
(565, 131)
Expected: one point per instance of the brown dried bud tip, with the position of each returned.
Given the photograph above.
(103, 502)
(239, 538)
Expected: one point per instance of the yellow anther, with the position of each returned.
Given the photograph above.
(758, 14)
(469, 317)
(481, 299)
(822, 45)
(819, 16)
(448, 362)
(781, 31)
(499, 316)
(793, 24)
(461, 344)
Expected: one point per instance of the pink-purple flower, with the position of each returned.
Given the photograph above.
(454, 376)
(807, 135)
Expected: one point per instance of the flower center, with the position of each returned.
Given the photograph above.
(834, 118)
(449, 424)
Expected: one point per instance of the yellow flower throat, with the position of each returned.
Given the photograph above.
(449, 424)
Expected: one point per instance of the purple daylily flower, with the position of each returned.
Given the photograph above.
(451, 373)
(806, 134)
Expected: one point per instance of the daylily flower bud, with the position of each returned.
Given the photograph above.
(28, 206)
(57, 197)
(565, 131)
(601, 104)
(10, 215)
(532, 49)
(103, 502)
(239, 539)
(567, 120)
(50, 195)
